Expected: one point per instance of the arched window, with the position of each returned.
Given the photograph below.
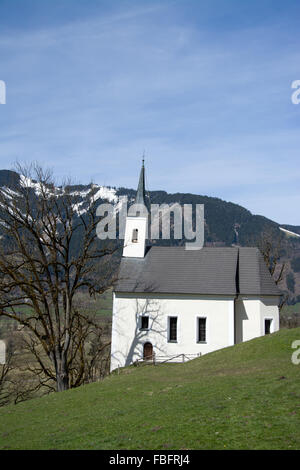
(135, 235)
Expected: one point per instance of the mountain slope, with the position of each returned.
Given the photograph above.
(243, 397)
(224, 220)
(225, 223)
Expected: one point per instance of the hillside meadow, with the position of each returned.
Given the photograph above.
(243, 397)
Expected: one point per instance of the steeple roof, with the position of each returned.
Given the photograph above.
(140, 194)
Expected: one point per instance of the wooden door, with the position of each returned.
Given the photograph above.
(148, 351)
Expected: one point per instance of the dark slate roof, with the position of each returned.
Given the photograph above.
(174, 270)
(254, 276)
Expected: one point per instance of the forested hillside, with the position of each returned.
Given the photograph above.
(226, 223)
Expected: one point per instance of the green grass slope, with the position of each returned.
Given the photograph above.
(243, 397)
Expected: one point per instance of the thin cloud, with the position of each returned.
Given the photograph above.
(211, 106)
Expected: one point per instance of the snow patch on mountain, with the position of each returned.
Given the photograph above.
(81, 194)
(109, 194)
(9, 193)
(76, 208)
(101, 192)
(288, 232)
(39, 188)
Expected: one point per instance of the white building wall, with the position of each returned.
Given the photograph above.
(250, 316)
(269, 310)
(128, 340)
(135, 249)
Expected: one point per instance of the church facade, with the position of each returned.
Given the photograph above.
(174, 304)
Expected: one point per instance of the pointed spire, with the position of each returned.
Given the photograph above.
(140, 194)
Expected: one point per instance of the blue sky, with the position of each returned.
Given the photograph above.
(203, 87)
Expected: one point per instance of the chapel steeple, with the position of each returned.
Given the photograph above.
(136, 228)
(140, 194)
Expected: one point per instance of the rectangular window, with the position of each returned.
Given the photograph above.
(144, 323)
(201, 330)
(135, 235)
(268, 323)
(173, 329)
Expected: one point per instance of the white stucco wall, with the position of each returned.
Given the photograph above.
(250, 316)
(137, 249)
(2, 352)
(269, 310)
(128, 339)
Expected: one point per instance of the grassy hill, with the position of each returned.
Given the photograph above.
(243, 397)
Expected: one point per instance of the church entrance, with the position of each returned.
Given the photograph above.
(148, 352)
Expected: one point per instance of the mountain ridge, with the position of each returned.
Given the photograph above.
(11, 179)
(226, 223)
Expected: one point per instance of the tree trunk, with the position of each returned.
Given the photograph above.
(62, 375)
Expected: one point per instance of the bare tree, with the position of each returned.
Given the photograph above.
(4, 380)
(49, 252)
(271, 244)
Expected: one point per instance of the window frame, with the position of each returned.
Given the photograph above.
(271, 320)
(135, 235)
(201, 317)
(169, 329)
(141, 322)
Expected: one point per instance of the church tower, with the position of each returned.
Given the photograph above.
(136, 230)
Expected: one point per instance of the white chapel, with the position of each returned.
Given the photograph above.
(175, 304)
